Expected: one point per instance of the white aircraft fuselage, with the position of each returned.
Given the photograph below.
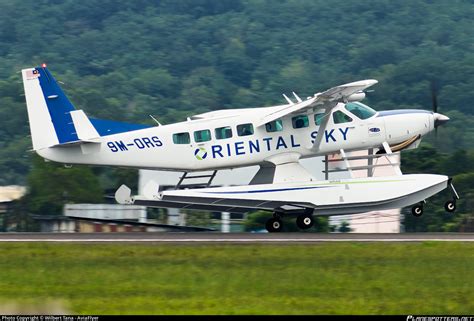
(154, 148)
(326, 123)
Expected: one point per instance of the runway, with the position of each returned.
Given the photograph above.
(231, 238)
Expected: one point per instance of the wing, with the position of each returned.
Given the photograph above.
(327, 100)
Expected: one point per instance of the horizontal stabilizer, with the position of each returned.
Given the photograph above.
(151, 190)
(124, 195)
(84, 129)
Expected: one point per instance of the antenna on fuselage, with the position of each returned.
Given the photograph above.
(156, 120)
(297, 97)
(288, 100)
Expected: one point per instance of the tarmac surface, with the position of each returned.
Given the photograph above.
(216, 237)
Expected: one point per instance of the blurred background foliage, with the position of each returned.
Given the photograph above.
(125, 60)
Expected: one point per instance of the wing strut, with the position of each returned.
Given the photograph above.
(396, 166)
(370, 167)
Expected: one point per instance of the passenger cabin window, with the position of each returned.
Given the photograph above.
(300, 121)
(360, 110)
(339, 117)
(181, 138)
(318, 119)
(202, 136)
(274, 126)
(223, 132)
(245, 129)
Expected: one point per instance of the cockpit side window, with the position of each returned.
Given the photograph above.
(360, 110)
(339, 117)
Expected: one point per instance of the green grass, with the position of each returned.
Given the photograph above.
(326, 278)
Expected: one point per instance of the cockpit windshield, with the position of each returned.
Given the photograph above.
(360, 110)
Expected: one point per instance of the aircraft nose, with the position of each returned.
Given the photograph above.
(440, 119)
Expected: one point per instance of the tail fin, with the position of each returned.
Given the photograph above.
(53, 118)
(48, 109)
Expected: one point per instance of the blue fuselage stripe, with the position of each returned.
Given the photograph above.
(402, 112)
(110, 127)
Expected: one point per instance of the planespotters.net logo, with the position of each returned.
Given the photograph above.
(439, 318)
(200, 153)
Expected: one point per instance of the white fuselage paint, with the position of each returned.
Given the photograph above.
(154, 148)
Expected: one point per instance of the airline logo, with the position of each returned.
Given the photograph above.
(200, 153)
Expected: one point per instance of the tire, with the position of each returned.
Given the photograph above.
(417, 210)
(274, 225)
(305, 221)
(450, 206)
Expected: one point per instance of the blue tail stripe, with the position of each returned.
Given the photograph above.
(60, 107)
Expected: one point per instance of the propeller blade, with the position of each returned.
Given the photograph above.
(434, 97)
(434, 101)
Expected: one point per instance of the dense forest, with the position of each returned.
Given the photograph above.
(126, 60)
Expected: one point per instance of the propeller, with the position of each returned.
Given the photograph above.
(434, 95)
(439, 119)
(434, 103)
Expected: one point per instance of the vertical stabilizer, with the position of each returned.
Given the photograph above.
(41, 126)
(54, 120)
(48, 109)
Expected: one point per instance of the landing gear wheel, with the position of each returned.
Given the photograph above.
(417, 210)
(450, 206)
(304, 221)
(274, 225)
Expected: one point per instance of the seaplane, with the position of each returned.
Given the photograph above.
(276, 138)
